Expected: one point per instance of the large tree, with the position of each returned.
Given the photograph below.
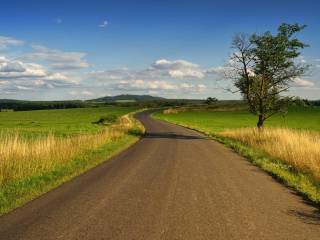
(263, 66)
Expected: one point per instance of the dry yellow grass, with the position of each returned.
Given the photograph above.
(170, 111)
(175, 110)
(20, 157)
(297, 148)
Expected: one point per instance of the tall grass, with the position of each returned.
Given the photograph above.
(297, 148)
(22, 157)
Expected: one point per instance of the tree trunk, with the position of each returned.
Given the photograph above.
(260, 121)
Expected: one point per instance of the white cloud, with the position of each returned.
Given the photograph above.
(160, 70)
(57, 77)
(17, 75)
(179, 69)
(301, 59)
(177, 64)
(161, 77)
(6, 66)
(24, 88)
(82, 93)
(192, 87)
(104, 24)
(5, 42)
(217, 70)
(302, 83)
(57, 59)
(183, 73)
(143, 85)
(4, 82)
(87, 93)
(158, 86)
(11, 69)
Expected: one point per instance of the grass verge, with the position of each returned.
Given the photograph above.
(304, 183)
(18, 191)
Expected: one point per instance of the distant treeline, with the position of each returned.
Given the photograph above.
(305, 102)
(18, 105)
(315, 103)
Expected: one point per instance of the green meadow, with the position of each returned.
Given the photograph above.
(39, 150)
(62, 122)
(211, 121)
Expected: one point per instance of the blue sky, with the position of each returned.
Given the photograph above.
(87, 49)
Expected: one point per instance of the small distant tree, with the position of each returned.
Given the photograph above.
(211, 100)
(297, 101)
(262, 67)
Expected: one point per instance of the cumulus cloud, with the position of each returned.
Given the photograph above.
(147, 85)
(46, 68)
(57, 59)
(160, 70)
(5, 42)
(17, 75)
(84, 93)
(156, 86)
(301, 59)
(11, 69)
(166, 64)
(8, 66)
(179, 69)
(302, 83)
(217, 70)
(163, 76)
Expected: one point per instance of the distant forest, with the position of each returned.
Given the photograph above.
(18, 105)
(143, 102)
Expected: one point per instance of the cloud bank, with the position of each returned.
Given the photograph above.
(67, 74)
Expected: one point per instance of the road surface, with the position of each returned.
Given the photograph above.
(173, 184)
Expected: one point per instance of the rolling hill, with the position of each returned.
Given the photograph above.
(127, 97)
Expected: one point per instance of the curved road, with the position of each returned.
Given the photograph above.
(173, 184)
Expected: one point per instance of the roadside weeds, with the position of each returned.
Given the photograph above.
(303, 183)
(22, 188)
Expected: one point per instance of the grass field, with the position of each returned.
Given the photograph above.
(41, 149)
(216, 121)
(61, 122)
(287, 148)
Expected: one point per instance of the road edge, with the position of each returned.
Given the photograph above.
(299, 182)
(43, 184)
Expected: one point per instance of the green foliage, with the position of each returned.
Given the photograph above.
(211, 100)
(315, 103)
(107, 120)
(296, 101)
(19, 105)
(264, 66)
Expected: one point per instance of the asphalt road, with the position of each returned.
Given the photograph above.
(173, 184)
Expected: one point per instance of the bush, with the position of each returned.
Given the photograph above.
(109, 119)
